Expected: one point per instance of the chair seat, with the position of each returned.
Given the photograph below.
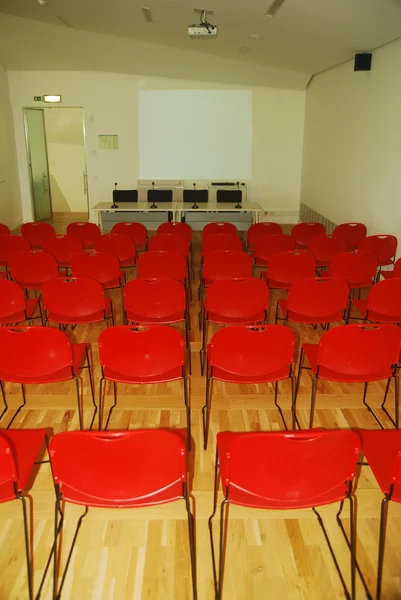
(228, 377)
(37, 285)
(381, 449)
(355, 285)
(224, 320)
(387, 274)
(26, 444)
(95, 317)
(172, 375)
(298, 318)
(78, 358)
(173, 318)
(249, 498)
(277, 285)
(128, 262)
(311, 353)
(30, 308)
(374, 317)
(114, 283)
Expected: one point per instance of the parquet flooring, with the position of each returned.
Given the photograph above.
(143, 554)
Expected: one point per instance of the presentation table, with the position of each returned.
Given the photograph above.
(222, 207)
(103, 208)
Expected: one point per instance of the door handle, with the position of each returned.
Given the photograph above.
(85, 182)
(45, 189)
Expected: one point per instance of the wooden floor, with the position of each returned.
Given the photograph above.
(143, 554)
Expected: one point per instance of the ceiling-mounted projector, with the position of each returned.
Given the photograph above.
(204, 29)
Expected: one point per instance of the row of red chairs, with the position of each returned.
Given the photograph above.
(263, 470)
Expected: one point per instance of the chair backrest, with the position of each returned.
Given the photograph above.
(73, 297)
(33, 268)
(12, 300)
(318, 296)
(154, 298)
(287, 267)
(162, 263)
(304, 232)
(384, 246)
(268, 245)
(355, 267)
(325, 247)
(85, 231)
(385, 298)
(33, 352)
(91, 467)
(310, 468)
(219, 242)
(218, 228)
(141, 352)
(353, 233)
(251, 350)
(4, 230)
(119, 244)
(176, 228)
(63, 248)
(37, 232)
(136, 231)
(237, 298)
(10, 244)
(359, 350)
(8, 469)
(230, 264)
(172, 242)
(259, 230)
(102, 266)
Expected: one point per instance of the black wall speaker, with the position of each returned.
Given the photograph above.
(363, 61)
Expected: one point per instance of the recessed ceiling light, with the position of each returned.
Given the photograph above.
(42, 2)
(147, 14)
(244, 49)
(274, 8)
(255, 36)
(51, 98)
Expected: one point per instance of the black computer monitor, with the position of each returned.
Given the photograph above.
(196, 196)
(232, 196)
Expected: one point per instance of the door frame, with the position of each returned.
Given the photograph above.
(29, 158)
(43, 108)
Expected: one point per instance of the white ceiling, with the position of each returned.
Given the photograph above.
(305, 36)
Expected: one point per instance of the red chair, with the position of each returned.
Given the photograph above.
(355, 354)
(10, 244)
(121, 469)
(325, 247)
(86, 232)
(170, 242)
(14, 307)
(162, 263)
(157, 301)
(383, 304)
(219, 228)
(315, 300)
(104, 267)
(382, 449)
(253, 355)
(396, 272)
(358, 268)
(230, 264)
(176, 228)
(63, 248)
(32, 269)
(304, 232)
(234, 302)
(4, 230)
(259, 230)
(383, 246)
(279, 470)
(287, 267)
(268, 245)
(119, 244)
(136, 231)
(142, 355)
(19, 450)
(353, 233)
(36, 233)
(40, 355)
(75, 301)
(219, 243)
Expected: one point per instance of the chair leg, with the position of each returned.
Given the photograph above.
(300, 367)
(382, 538)
(187, 410)
(276, 317)
(295, 422)
(222, 546)
(204, 344)
(89, 363)
(191, 534)
(5, 409)
(80, 403)
(101, 402)
(206, 408)
(313, 401)
(113, 406)
(27, 552)
(188, 343)
(278, 406)
(21, 406)
(395, 421)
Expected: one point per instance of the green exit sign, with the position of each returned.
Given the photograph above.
(37, 98)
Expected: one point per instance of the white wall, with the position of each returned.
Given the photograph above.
(66, 156)
(110, 107)
(352, 147)
(10, 199)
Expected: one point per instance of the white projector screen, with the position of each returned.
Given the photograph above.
(195, 134)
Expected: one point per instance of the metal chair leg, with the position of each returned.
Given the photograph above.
(113, 406)
(210, 520)
(222, 546)
(188, 343)
(204, 344)
(188, 410)
(27, 552)
(382, 538)
(5, 409)
(278, 406)
(80, 403)
(206, 408)
(191, 534)
(89, 363)
(313, 401)
(21, 406)
(395, 421)
(300, 367)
